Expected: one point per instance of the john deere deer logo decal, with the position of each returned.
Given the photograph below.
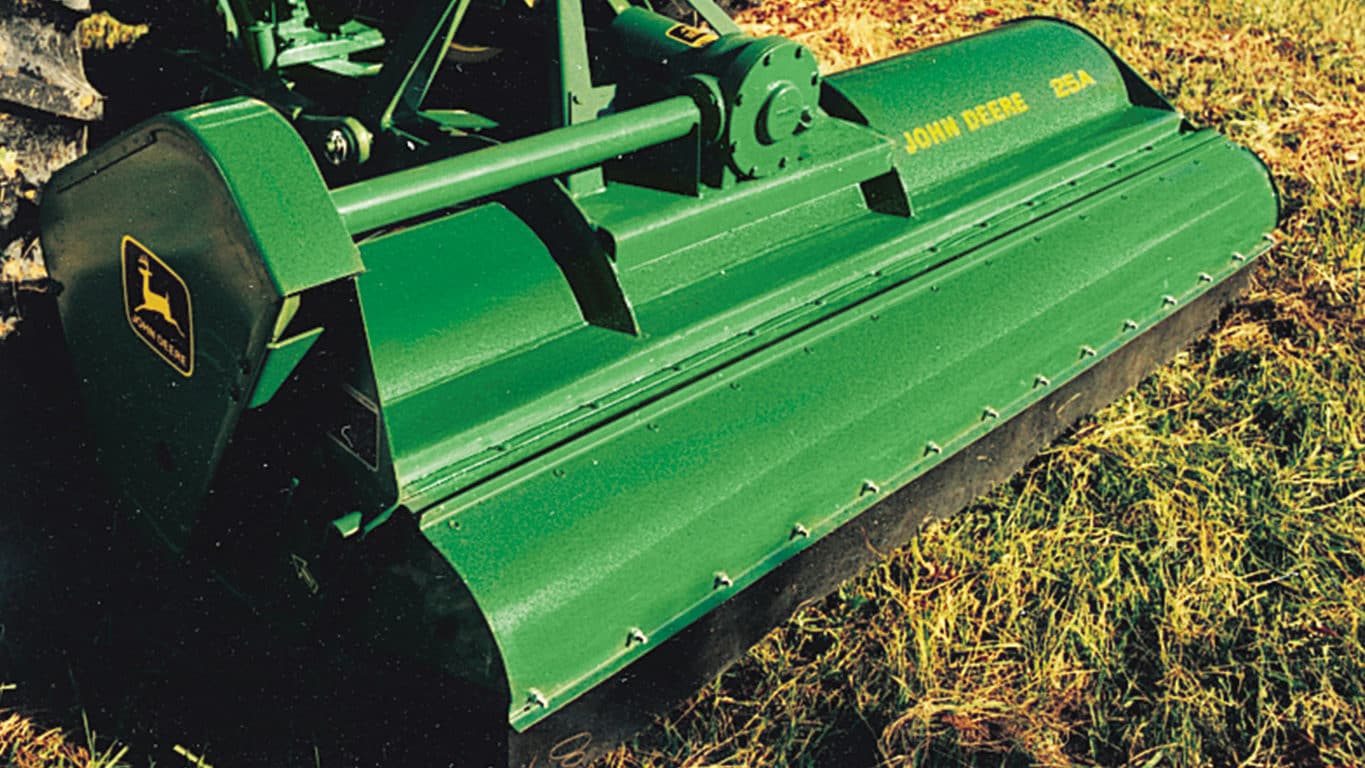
(157, 304)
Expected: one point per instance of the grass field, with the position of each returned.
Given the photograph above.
(1182, 580)
(1179, 582)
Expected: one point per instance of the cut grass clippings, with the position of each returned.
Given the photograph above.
(1179, 582)
(25, 744)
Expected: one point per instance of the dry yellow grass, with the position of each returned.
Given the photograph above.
(25, 744)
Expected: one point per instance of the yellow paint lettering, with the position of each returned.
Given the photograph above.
(936, 132)
(976, 117)
(932, 134)
(1071, 83)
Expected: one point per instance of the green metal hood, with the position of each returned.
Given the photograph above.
(225, 210)
(803, 348)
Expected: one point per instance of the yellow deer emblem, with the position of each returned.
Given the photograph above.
(153, 301)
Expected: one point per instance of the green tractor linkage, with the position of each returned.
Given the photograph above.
(570, 346)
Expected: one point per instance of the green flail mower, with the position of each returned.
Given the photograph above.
(565, 347)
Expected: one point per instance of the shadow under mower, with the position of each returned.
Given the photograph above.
(564, 348)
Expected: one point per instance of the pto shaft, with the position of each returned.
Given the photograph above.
(415, 192)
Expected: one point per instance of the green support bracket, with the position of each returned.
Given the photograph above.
(580, 99)
(402, 84)
(281, 358)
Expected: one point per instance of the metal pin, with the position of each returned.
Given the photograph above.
(723, 581)
(870, 487)
(1042, 381)
(1238, 256)
(1088, 351)
(1168, 300)
(990, 413)
(932, 447)
(1205, 277)
(799, 532)
(1130, 325)
(636, 637)
(537, 698)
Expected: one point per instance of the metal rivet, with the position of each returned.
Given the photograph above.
(537, 698)
(1041, 381)
(636, 637)
(799, 532)
(1205, 277)
(1238, 256)
(932, 447)
(1129, 325)
(1169, 300)
(990, 413)
(871, 487)
(1088, 351)
(723, 581)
